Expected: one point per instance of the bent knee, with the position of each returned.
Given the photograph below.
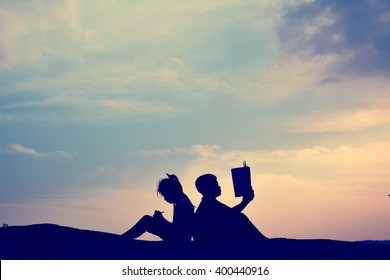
(147, 218)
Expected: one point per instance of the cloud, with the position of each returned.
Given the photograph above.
(19, 149)
(15, 148)
(62, 154)
(285, 79)
(137, 57)
(165, 152)
(342, 105)
(26, 27)
(196, 150)
(73, 108)
(351, 120)
(6, 118)
(205, 151)
(357, 30)
(321, 55)
(10, 36)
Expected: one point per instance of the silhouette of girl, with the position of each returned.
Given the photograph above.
(181, 227)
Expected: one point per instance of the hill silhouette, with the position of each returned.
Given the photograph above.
(50, 241)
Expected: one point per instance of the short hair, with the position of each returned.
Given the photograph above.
(203, 181)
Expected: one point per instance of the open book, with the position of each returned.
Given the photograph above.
(241, 177)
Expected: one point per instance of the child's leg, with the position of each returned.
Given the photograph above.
(140, 227)
(161, 228)
(250, 230)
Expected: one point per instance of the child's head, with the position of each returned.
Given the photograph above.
(170, 188)
(208, 186)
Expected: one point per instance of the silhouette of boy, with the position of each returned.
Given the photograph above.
(217, 222)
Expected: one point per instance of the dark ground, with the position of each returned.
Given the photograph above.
(53, 242)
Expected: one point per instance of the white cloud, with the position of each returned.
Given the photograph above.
(350, 120)
(345, 105)
(196, 150)
(62, 154)
(322, 28)
(205, 151)
(10, 36)
(100, 109)
(123, 56)
(291, 76)
(15, 148)
(6, 118)
(165, 152)
(19, 149)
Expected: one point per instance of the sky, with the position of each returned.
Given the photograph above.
(100, 99)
